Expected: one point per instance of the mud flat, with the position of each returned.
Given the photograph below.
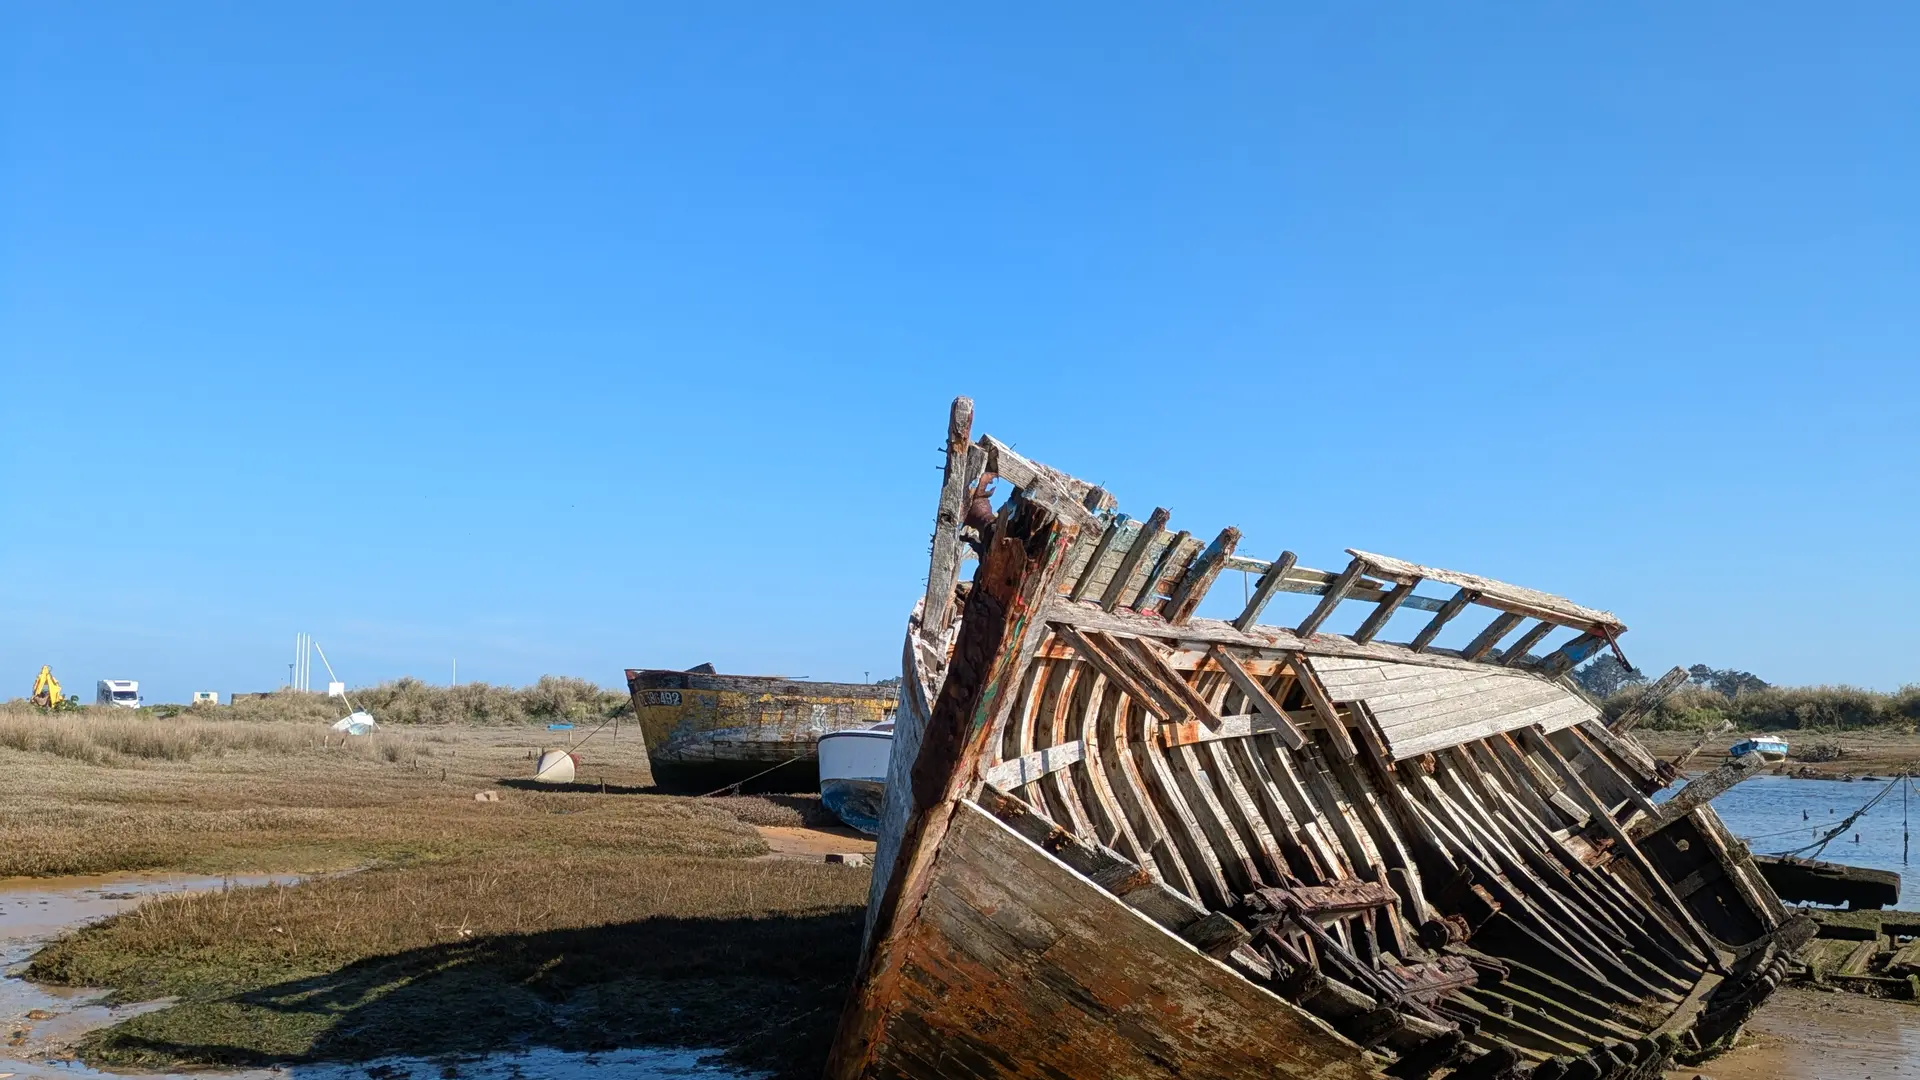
(1805, 1034)
(41, 1023)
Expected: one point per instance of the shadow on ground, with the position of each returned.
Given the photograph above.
(766, 991)
(520, 783)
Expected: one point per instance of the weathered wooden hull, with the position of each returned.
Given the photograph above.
(1124, 840)
(704, 731)
(1809, 881)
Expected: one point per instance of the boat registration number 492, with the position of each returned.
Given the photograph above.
(659, 697)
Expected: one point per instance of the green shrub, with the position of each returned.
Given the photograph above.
(1778, 708)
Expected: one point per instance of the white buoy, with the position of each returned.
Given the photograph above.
(358, 722)
(555, 767)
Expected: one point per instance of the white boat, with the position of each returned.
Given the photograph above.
(853, 774)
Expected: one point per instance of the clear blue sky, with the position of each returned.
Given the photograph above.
(565, 338)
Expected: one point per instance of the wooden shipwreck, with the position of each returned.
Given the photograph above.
(706, 730)
(1124, 840)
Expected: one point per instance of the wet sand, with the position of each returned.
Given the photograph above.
(1803, 1034)
(814, 842)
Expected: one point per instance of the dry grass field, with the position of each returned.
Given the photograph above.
(577, 918)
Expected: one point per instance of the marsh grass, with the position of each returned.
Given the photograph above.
(556, 917)
(1781, 708)
(120, 737)
(577, 951)
(93, 792)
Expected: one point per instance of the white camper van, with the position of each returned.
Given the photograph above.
(121, 693)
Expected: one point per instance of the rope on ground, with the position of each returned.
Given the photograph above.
(735, 786)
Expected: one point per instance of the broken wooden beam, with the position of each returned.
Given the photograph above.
(1649, 700)
(1699, 792)
(1263, 590)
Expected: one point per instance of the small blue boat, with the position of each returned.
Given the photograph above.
(1769, 748)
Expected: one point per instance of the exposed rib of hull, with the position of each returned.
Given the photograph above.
(1124, 840)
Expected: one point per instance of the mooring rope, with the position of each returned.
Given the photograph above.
(1813, 850)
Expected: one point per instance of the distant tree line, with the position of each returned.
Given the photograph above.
(1715, 696)
(1607, 676)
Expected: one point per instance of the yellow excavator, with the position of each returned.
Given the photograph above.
(46, 691)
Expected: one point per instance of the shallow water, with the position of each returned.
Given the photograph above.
(47, 1019)
(1775, 814)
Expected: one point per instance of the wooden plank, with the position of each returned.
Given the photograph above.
(1260, 643)
(1107, 868)
(1440, 619)
(1178, 819)
(1123, 671)
(1584, 795)
(1200, 576)
(1499, 594)
(1154, 659)
(1316, 694)
(1518, 650)
(1339, 812)
(1335, 593)
(1053, 727)
(1191, 801)
(1699, 792)
(943, 570)
(1264, 589)
(1244, 813)
(1130, 789)
(1172, 558)
(1571, 655)
(1028, 768)
(1238, 726)
(1649, 700)
(1282, 825)
(1107, 539)
(1102, 799)
(1258, 697)
(1142, 540)
(1500, 627)
(1377, 621)
(1019, 574)
(1011, 932)
(1628, 756)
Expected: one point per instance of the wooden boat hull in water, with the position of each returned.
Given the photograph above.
(1124, 840)
(706, 730)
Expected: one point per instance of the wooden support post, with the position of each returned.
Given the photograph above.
(1142, 540)
(1518, 650)
(1569, 656)
(1697, 794)
(1162, 570)
(1258, 698)
(1200, 576)
(1316, 693)
(1377, 621)
(1336, 592)
(1018, 576)
(1263, 591)
(1500, 627)
(943, 570)
(1440, 619)
(1649, 700)
(1107, 539)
